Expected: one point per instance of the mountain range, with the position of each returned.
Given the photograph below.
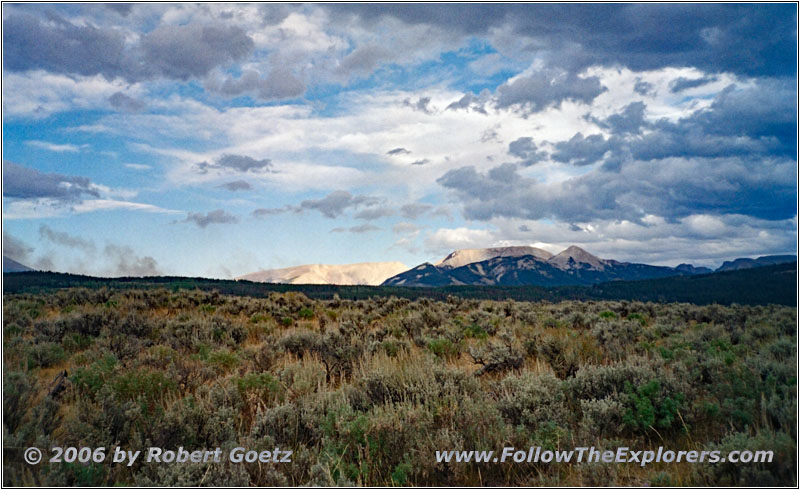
(498, 266)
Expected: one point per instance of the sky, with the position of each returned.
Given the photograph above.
(219, 139)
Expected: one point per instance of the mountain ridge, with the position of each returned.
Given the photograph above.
(572, 266)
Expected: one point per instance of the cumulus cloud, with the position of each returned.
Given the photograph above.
(281, 82)
(398, 151)
(124, 102)
(525, 149)
(169, 51)
(547, 88)
(580, 150)
(218, 216)
(670, 188)
(187, 51)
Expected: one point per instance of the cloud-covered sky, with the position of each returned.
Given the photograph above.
(219, 139)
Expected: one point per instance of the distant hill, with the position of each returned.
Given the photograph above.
(516, 267)
(366, 273)
(745, 263)
(774, 284)
(11, 265)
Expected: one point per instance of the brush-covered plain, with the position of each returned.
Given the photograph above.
(365, 392)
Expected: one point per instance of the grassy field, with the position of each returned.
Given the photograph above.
(364, 392)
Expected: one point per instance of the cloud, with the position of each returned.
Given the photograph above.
(398, 151)
(362, 60)
(421, 162)
(630, 121)
(422, 104)
(365, 228)
(580, 150)
(680, 84)
(547, 88)
(60, 46)
(236, 185)
(671, 188)
(56, 147)
(176, 52)
(404, 228)
(217, 216)
(335, 203)
(525, 149)
(280, 83)
(746, 39)
(138, 166)
(372, 213)
(414, 210)
(236, 163)
(65, 239)
(28, 183)
(188, 51)
(127, 103)
(476, 103)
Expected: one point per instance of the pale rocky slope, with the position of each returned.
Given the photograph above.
(468, 256)
(366, 274)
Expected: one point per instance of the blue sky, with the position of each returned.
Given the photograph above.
(219, 139)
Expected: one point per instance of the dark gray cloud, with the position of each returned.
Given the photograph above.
(422, 161)
(274, 13)
(188, 51)
(28, 183)
(126, 103)
(472, 102)
(15, 248)
(643, 88)
(238, 163)
(375, 212)
(422, 104)
(547, 88)
(414, 210)
(680, 84)
(363, 60)
(56, 45)
(365, 228)
(237, 185)
(580, 150)
(217, 216)
(630, 121)
(64, 239)
(746, 39)
(332, 206)
(336, 203)
(280, 83)
(398, 151)
(180, 52)
(672, 188)
(525, 149)
(122, 9)
(264, 212)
